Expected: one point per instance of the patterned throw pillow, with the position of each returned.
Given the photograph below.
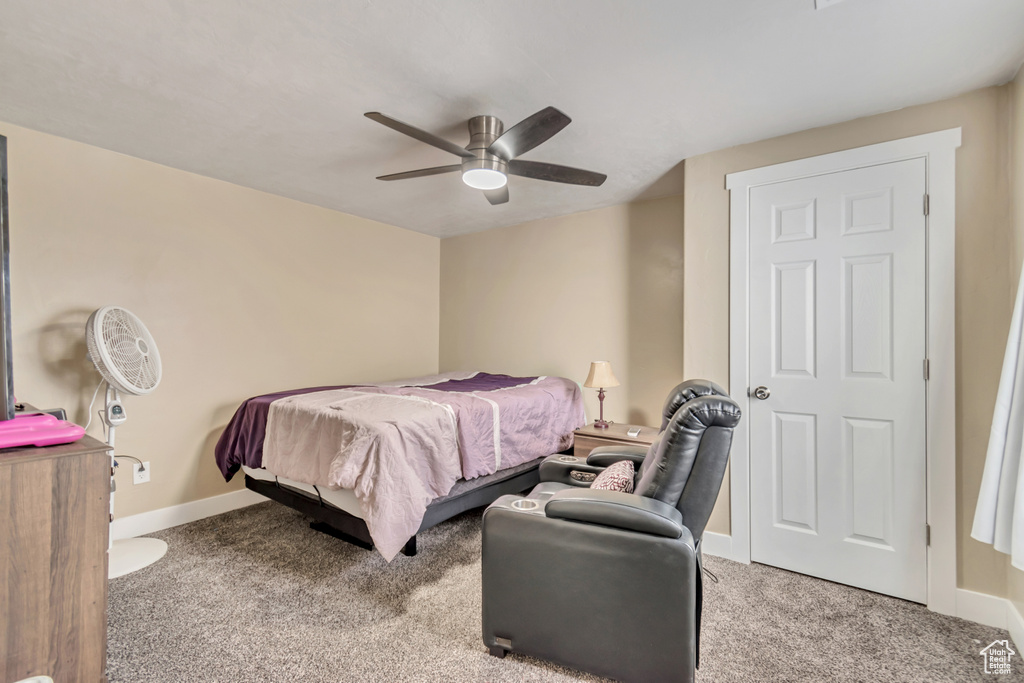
(618, 477)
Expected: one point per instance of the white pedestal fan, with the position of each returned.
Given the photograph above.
(123, 351)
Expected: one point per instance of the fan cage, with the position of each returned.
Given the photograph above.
(123, 350)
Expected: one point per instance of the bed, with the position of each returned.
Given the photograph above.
(374, 464)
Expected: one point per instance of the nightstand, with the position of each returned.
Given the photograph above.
(590, 437)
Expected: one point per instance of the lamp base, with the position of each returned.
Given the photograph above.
(600, 422)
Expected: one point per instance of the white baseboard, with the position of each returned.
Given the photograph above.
(719, 545)
(981, 608)
(165, 518)
(1015, 624)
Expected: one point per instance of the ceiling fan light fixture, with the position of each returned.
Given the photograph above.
(492, 153)
(484, 178)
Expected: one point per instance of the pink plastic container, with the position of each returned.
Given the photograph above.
(37, 429)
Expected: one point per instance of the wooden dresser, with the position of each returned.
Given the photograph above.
(54, 523)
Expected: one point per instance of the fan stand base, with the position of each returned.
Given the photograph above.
(132, 554)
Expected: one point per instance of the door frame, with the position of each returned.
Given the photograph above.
(939, 152)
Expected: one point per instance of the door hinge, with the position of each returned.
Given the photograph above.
(927, 369)
(926, 207)
(927, 534)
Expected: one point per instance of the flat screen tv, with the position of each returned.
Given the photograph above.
(6, 360)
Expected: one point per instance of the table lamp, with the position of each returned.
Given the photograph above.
(600, 377)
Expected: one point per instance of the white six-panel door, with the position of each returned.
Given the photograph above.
(837, 341)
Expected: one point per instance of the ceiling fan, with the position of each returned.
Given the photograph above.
(490, 156)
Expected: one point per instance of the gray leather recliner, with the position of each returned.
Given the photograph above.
(609, 582)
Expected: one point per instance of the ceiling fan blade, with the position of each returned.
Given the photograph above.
(555, 173)
(436, 170)
(421, 135)
(529, 133)
(499, 196)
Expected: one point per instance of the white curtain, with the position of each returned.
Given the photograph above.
(999, 516)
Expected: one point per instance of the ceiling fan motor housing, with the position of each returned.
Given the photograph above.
(483, 130)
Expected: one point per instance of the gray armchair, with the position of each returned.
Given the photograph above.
(609, 582)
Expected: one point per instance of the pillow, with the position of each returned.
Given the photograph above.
(617, 477)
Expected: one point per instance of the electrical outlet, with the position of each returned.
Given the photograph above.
(140, 476)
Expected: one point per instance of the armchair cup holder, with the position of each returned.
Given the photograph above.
(568, 458)
(525, 504)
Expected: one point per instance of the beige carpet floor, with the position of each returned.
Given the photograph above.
(255, 595)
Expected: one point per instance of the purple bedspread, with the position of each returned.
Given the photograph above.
(241, 443)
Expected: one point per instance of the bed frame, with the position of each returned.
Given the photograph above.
(465, 495)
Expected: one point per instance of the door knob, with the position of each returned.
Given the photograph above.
(762, 392)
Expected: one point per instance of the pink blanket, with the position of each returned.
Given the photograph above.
(398, 448)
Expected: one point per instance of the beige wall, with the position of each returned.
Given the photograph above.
(1015, 169)
(983, 286)
(1015, 577)
(549, 296)
(245, 293)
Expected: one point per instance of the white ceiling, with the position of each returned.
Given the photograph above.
(271, 94)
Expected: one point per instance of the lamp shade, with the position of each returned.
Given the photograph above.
(601, 375)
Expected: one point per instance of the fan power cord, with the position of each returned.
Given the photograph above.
(142, 465)
(91, 402)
